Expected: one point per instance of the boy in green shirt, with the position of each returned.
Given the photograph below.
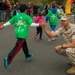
(21, 24)
(53, 16)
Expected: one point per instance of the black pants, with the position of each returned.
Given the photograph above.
(39, 31)
(20, 43)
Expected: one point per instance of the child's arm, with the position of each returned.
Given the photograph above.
(4, 25)
(35, 24)
(47, 18)
(41, 23)
(58, 15)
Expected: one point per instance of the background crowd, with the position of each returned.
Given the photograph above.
(8, 9)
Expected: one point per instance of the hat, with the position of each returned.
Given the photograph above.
(65, 17)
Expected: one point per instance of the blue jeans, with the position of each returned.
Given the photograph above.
(2, 15)
(53, 27)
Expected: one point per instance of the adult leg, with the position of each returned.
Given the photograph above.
(71, 56)
(62, 52)
(70, 53)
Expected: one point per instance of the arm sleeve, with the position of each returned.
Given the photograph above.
(29, 20)
(58, 15)
(58, 31)
(47, 18)
(73, 37)
(6, 24)
(35, 24)
(12, 20)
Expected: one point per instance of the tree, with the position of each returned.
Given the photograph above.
(40, 1)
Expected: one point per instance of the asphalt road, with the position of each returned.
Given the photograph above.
(45, 60)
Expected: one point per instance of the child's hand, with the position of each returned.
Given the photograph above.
(1, 27)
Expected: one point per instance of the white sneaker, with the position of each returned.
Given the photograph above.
(49, 40)
(34, 17)
(53, 39)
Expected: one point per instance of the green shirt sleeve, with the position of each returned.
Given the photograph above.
(48, 13)
(29, 20)
(12, 20)
(58, 15)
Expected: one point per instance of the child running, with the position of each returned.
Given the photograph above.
(38, 29)
(21, 24)
(53, 16)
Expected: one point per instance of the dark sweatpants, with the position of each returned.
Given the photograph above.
(20, 43)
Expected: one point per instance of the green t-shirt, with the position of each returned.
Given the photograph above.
(21, 23)
(53, 18)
